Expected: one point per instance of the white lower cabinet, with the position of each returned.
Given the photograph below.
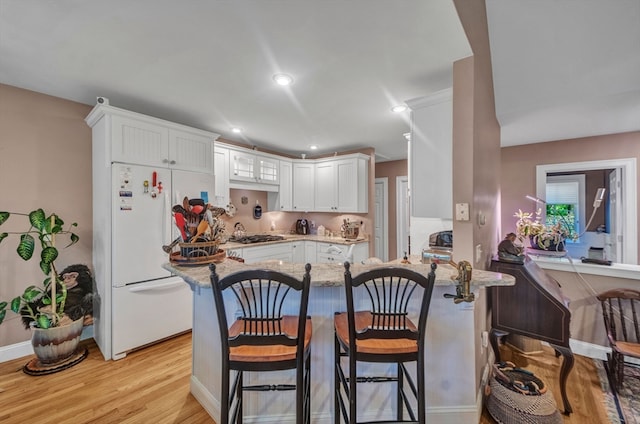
(336, 253)
(302, 251)
(298, 253)
(280, 251)
(310, 255)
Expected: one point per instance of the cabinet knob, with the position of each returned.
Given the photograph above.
(165, 160)
(173, 162)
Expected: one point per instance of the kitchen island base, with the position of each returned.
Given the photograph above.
(451, 387)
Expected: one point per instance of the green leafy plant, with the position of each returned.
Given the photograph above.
(36, 304)
(529, 225)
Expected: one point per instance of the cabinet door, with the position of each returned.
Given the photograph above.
(221, 172)
(282, 200)
(303, 186)
(360, 252)
(325, 187)
(242, 166)
(279, 251)
(190, 151)
(268, 170)
(139, 142)
(298, 253)
(352, 185)
(310, 254)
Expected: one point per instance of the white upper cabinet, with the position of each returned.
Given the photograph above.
(326, 185)
(342, 185)
(303, 186)
(221, 166)
(246, 166)
(431, 156)
(282, 200)
(190, 152)
(145, 140)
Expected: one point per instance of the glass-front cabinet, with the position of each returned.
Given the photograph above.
(252, 167)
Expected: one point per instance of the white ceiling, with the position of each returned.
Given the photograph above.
(565, 68)
(209, 63)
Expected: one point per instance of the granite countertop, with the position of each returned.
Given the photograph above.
(333, 274)
(294, 237)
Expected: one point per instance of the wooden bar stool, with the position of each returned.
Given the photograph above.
(381, 331)
(263, 336)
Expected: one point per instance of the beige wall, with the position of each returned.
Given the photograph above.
(392, 170)
(45, 161)
(519, 166)
(476, 153)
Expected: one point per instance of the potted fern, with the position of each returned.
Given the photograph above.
(55, 336)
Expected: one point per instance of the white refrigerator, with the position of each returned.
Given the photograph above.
(145, 303)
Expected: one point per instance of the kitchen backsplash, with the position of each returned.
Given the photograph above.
(283, 222)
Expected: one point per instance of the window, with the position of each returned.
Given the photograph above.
(565, 202)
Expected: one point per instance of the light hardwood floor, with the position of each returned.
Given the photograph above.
(152, 386)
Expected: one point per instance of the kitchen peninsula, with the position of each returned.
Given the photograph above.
(452, 388)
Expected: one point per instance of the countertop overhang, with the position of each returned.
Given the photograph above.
(333, 274)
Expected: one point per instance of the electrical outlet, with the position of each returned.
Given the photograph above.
(462, 211)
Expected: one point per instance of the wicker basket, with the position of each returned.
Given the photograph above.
(509, 404)
(198, 249)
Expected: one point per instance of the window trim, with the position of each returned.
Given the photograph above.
(629, 188)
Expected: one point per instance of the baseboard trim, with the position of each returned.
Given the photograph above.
(15, 351)
(21, 349)
(595, 351)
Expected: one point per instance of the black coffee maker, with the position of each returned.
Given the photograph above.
(302, 226)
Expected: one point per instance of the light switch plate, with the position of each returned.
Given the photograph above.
(462, 211)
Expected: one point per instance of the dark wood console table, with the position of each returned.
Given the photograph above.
(535, 307)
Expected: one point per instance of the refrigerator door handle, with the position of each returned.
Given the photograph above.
(164, 286)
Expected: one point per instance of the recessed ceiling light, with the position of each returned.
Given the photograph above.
(236, 130)
(283, 79)
(313, 147)
(399, 108)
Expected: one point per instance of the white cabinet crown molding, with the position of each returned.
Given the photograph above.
(101, 110)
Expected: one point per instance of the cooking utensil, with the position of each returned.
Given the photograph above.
(168, 248)
(202, 227)
(179, 208)
(185, 204)
(180, 223)
(194, 202)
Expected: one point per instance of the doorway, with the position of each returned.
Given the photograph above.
(381, 219)
(402, 215)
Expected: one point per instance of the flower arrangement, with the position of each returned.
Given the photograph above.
(541, 236)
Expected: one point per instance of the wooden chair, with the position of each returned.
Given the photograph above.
(620, 309)
(381, 331)
(263, 337)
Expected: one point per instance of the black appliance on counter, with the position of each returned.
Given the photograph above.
(441, 239)
(440, 248)
(302, 227)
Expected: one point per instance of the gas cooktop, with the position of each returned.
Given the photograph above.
(257, 238)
